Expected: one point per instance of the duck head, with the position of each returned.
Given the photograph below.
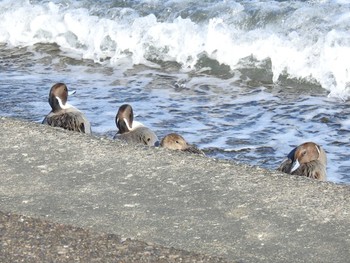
(124, 118)
(174, 141)
(58, 97)
(304, 153)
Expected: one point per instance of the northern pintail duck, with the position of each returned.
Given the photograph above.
(308, 159)
(132, 131)
(63, 114)
(174, 141)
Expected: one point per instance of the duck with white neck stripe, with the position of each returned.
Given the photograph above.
(131, 131)
(63, 114)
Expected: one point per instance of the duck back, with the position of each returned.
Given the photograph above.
(141, 135)
(69, 120)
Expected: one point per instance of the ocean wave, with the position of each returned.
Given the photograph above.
(302, 40)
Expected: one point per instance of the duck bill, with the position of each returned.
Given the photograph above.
(295, 165)
(71, 92)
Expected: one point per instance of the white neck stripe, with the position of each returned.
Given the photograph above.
(63, 106)
(127, 124)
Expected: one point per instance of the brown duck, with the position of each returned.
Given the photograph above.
(174, 141)
(308, 159)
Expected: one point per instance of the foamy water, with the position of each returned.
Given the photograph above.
(245, 80)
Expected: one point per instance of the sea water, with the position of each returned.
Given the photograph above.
(243, 80)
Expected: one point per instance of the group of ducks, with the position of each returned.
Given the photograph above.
(68, 117)
(308, 159)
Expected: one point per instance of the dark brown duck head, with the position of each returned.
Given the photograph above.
(58, 97)
(124, 118)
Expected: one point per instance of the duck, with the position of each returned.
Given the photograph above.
(63, 114)
(174, 141)
(308, 159)
(131, 131)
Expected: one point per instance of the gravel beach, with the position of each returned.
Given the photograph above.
(25, 239)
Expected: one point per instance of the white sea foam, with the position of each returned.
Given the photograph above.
(306, 40)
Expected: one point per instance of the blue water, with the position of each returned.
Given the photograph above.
(244, 80)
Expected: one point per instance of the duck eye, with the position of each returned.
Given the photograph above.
(177, 141)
